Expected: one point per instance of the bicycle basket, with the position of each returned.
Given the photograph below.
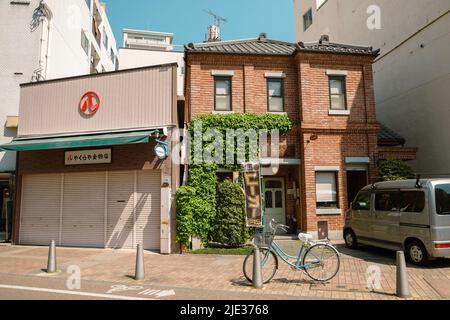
(263, 239)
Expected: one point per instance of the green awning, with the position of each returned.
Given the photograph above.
(94, 140)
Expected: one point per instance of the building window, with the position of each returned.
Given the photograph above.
(307, 19)
(84, 42)
(105, 38)
(326, 190)
(338, 98)
(222, 90)
(88, 3)
(113, 56)
(275, 95)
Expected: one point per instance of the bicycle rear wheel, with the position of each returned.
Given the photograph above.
(321, 262)
(269, 265)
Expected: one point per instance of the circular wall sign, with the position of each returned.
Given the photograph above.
(89, 104)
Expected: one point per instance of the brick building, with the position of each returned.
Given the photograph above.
(327, 91)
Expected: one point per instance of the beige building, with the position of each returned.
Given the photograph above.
(94, 160)
(412, 73)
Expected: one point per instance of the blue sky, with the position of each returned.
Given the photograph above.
(187, 20)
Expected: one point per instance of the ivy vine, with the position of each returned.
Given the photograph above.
(197, 202)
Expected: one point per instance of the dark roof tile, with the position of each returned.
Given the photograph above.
(389, 137)
(264, 46)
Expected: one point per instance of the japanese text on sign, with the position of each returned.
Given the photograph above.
(252, 188)
(87, 157)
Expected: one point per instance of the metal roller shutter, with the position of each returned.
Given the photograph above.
(93, 209)
(148, 209)
(40, 213)
(83, 219)
(120, 209)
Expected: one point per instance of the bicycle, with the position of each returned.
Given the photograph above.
(318, 259)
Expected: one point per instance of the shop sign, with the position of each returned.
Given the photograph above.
(74, 158)
(253, 195)
(89, 104)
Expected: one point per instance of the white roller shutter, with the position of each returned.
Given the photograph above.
(40, 209)
(117, 209)
(148, 209)
(120, 209)
(83, 219)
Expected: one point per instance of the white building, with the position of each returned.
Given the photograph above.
(149, 48)
(42, 40)
(48, 39)
(412, 74)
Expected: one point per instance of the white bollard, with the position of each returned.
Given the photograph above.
(402, 276)
(51, 263)
(257, 272)
(140, 270)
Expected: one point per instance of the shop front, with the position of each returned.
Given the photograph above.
(97, 172)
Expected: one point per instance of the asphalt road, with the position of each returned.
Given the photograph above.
(44, 287)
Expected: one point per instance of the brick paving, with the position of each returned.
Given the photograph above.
(214, 272)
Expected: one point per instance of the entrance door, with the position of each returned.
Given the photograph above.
(5, 212)
(275, 204)
(356, 180)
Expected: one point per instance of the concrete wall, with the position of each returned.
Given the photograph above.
(412, 74)
(134, 58)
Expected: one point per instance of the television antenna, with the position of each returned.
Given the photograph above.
(217, 19)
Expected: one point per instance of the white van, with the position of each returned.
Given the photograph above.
(410, 215)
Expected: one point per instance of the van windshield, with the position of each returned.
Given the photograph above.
(443, 199)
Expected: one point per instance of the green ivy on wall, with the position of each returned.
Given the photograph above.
(197, 202)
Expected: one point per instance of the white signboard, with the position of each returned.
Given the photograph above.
(74, 158)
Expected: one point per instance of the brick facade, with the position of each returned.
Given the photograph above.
(318, 139)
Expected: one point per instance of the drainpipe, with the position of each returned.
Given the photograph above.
(45, 37)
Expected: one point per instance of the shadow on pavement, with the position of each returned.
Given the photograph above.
(386, 257)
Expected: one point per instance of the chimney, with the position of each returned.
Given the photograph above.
(213, 33)
(324, 39)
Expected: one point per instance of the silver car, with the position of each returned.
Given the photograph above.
(410, 215)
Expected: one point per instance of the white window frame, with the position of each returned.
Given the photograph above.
(328, 169)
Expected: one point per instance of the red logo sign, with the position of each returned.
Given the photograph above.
(89, 104)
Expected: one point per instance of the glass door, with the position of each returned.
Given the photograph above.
(275, 204)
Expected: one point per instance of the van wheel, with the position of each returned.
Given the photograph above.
(350, 239)
(417, 253)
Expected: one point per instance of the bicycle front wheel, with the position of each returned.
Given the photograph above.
(321, 262)
(269, 265)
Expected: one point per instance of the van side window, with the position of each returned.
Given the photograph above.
(412, 201)
(362, 202)
(387, 201)
(443, 199)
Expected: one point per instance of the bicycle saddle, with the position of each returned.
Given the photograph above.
(305, 237)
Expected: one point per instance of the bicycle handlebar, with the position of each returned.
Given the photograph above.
(274, 225)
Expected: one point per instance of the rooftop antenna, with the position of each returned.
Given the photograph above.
(217, 19)
(214, 30)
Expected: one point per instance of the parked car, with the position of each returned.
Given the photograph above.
(409, 215)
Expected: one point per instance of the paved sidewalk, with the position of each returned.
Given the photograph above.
(211, 272)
